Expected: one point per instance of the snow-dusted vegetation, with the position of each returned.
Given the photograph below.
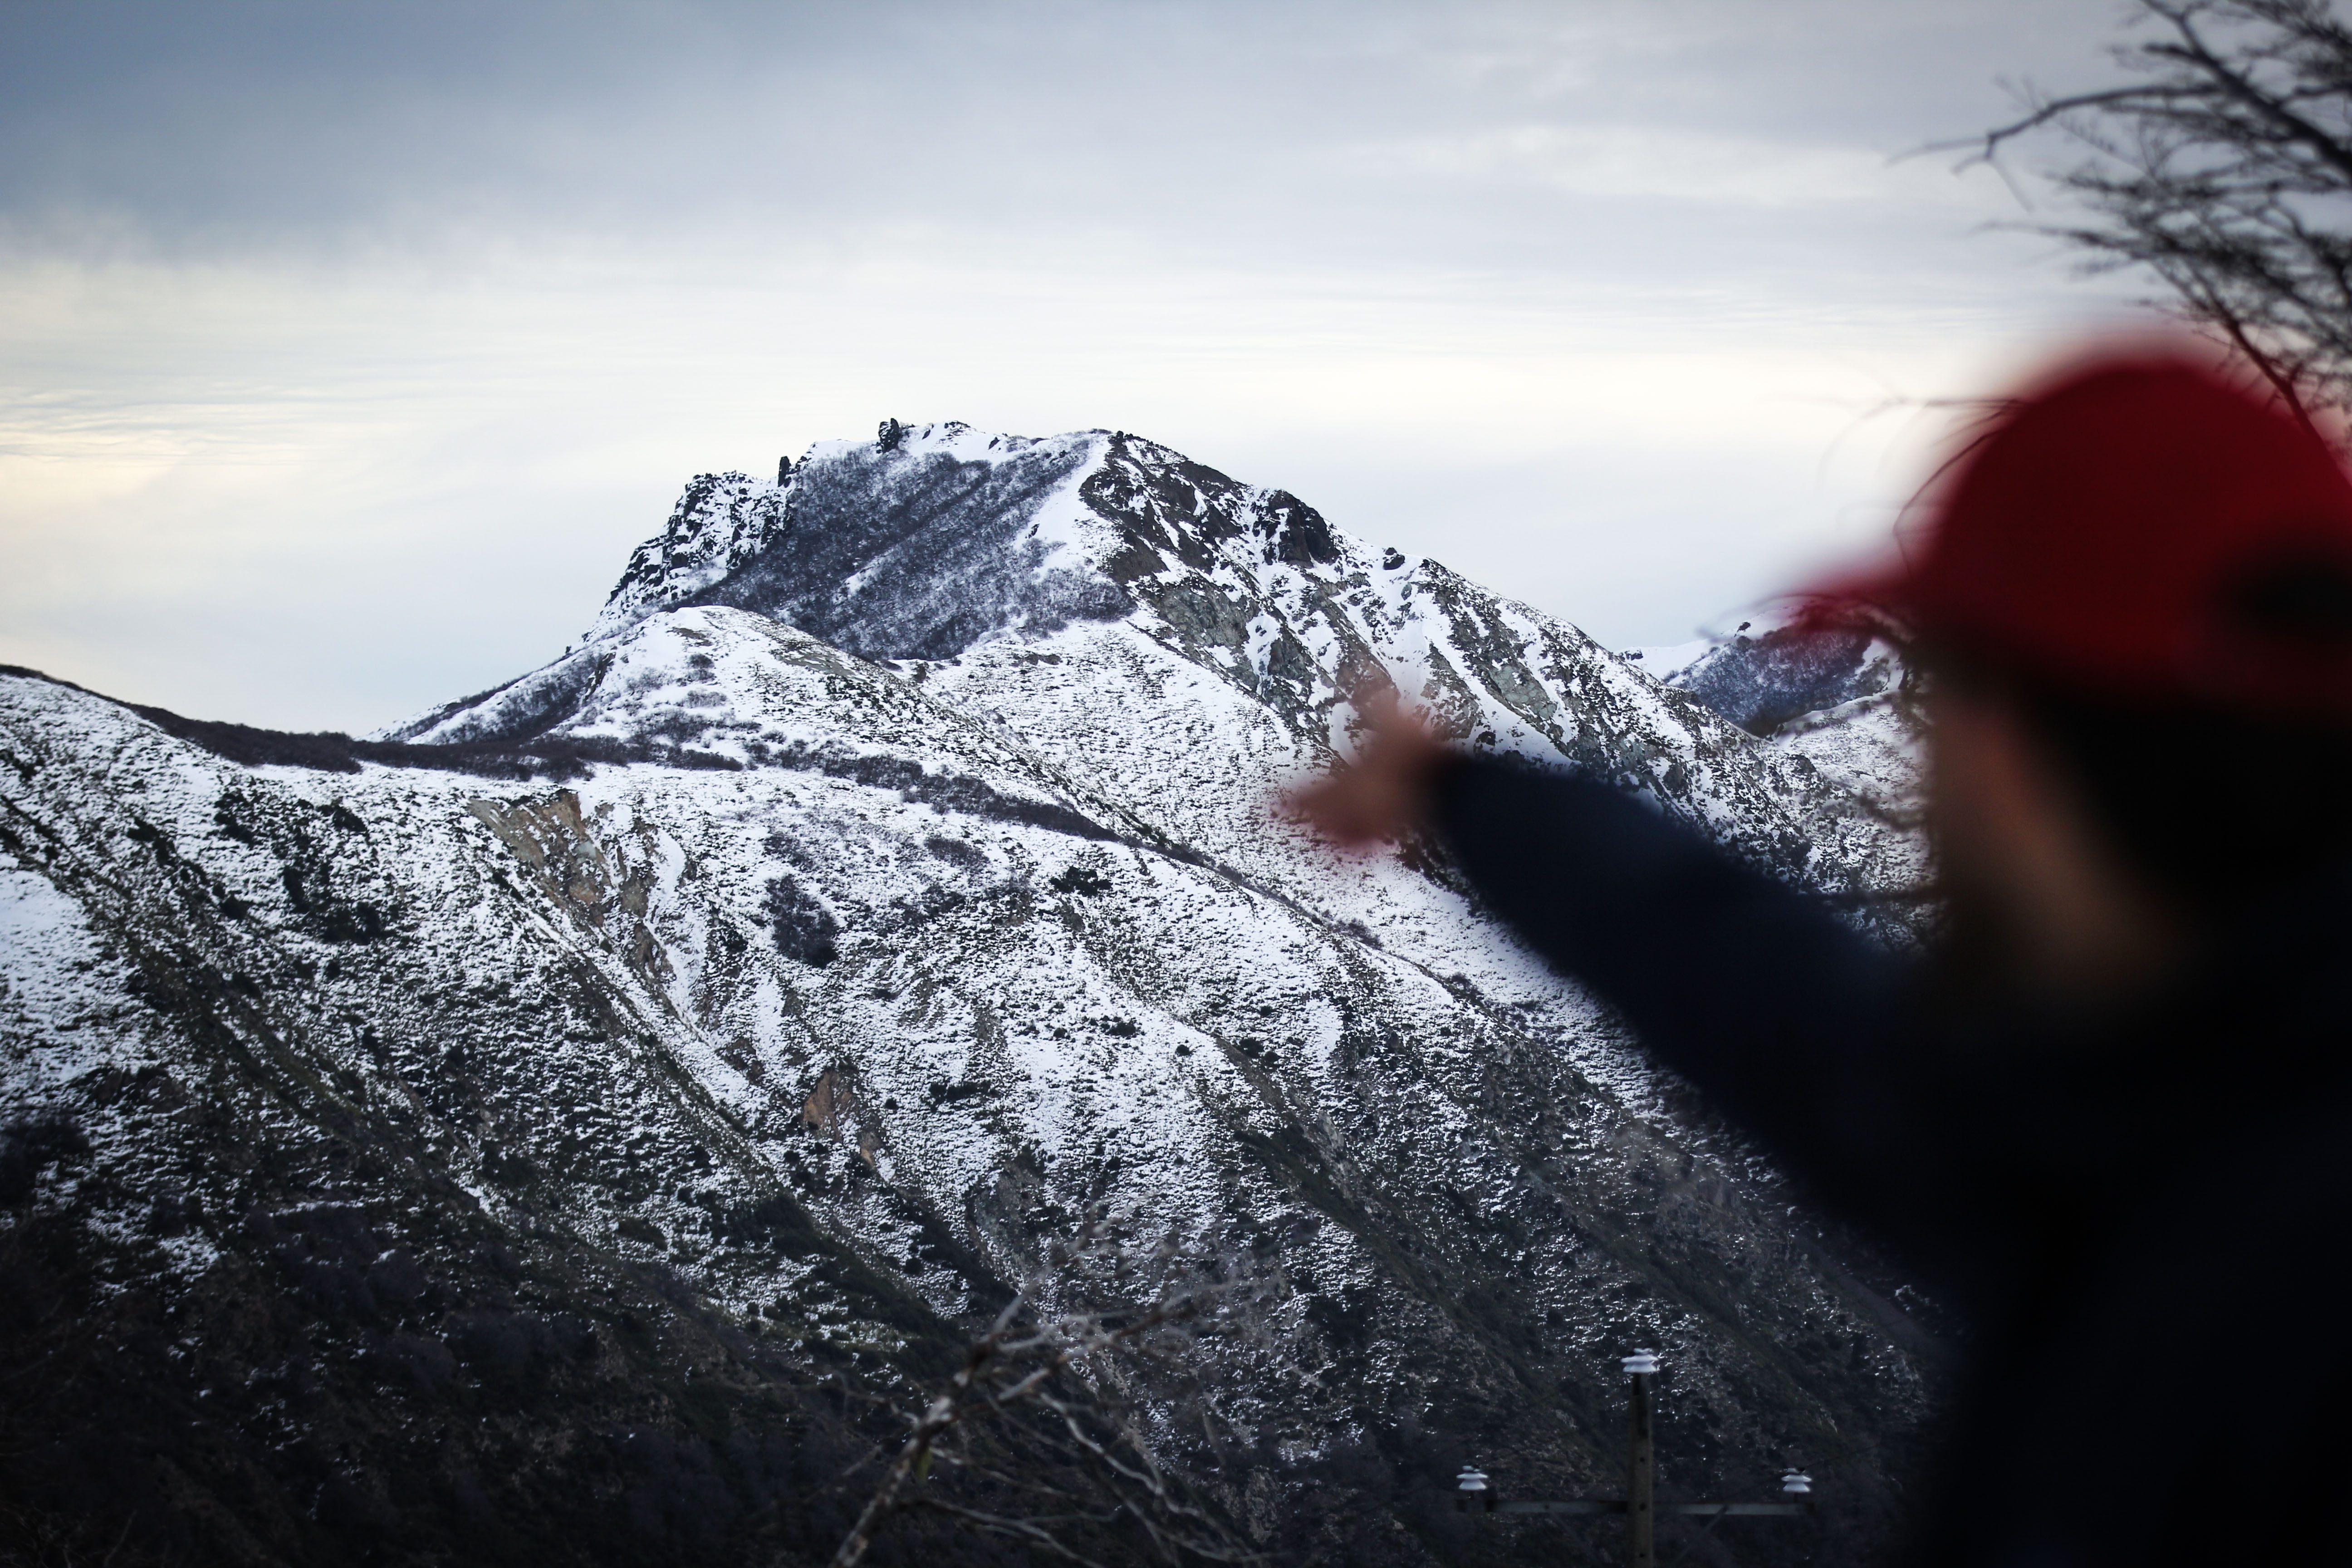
(882, 910)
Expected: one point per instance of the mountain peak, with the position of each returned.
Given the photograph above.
(913, 545)
(879, 916)
(938, 544)
(931, 538)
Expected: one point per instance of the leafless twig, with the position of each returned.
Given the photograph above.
(1015, 1365)
(2226, 172)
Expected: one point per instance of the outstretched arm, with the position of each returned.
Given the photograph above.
(1797, 1027)
(1754, 990)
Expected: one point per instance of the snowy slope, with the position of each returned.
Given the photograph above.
(1837, 702)
(881, 907)
(1182, 642)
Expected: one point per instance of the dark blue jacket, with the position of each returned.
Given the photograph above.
(2145, 1223)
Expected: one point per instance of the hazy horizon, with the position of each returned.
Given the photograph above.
(350, 353)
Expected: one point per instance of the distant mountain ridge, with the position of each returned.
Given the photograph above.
(879, 911)
(936, 539)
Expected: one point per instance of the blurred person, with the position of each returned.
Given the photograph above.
(2106, 1116)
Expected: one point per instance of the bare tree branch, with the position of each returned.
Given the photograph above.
(1010, 1370)
(2226, 174)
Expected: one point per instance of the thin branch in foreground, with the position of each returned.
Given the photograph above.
(2225, 174)
(1006, 1371)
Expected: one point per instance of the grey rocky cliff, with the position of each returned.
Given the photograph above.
(646, 1074)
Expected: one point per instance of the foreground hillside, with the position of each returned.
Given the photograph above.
(570, 1126)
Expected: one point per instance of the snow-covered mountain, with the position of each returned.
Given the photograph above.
(879, 911)
(1839, 702)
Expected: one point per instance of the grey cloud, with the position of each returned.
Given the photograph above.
(1214, 124)
(335, 328)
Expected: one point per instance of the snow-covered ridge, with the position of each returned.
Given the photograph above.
(1839, 702)
(915, 545)
(911, 917)
(1774, 669)
(936, 545)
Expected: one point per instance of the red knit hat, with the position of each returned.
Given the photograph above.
(2141, 526)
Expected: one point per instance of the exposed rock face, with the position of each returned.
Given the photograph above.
(906, 550)
(881, 911)
(1842, 704)
(1764, 682)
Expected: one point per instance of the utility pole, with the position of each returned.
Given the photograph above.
(1641, 1471)
(1639, 1505)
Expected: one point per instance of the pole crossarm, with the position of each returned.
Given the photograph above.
(1640, 1506)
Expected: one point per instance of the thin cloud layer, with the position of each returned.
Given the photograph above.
(350, 348)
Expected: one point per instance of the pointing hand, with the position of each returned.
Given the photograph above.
(1384, 793)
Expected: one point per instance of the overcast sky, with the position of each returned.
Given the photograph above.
(346, 350)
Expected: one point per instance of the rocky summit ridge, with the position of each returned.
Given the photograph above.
(567, 1125)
